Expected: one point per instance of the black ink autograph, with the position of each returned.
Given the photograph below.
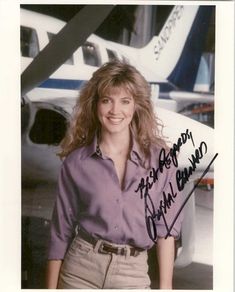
(165, 160)
(182, 177)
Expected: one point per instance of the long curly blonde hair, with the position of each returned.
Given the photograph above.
(84, 123)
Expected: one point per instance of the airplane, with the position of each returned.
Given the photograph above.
(44, 119)
(183, 25)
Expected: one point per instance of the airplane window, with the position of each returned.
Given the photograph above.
(112, 55)
(49, 127)
(70, 60)
(91, 54)
(28, 42)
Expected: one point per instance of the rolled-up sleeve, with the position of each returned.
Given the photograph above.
(169, 213)
(64, 216)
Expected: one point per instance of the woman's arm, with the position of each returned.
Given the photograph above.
(165, 254)
(62, 229)
(52, 273)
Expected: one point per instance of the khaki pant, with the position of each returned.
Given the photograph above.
(85, 268)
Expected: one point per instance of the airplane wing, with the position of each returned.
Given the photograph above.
(63, 45)
(191, 97)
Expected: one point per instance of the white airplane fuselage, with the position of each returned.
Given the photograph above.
(69, 77)
(57, 95)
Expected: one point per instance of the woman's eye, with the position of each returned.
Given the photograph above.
(105, 100)
(126, 101)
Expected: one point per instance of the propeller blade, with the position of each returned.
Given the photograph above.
(72, 36)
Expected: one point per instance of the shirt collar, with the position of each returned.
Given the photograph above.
(91, 149)
(94, 149)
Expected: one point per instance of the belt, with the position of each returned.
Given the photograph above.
(108, 248)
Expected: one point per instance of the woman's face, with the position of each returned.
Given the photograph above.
(115, 110)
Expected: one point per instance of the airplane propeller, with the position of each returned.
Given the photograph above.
(72, 35)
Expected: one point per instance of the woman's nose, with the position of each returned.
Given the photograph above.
(114, 108)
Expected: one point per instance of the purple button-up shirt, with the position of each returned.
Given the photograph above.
(90, 196)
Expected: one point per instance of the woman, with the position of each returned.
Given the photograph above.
(100, 232)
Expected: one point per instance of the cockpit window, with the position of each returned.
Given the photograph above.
(70, 60)
(112, 55)
(49, 127)
(91, 54)
(28, 42)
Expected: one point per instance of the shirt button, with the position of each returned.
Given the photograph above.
(116, 227)
(117, 200)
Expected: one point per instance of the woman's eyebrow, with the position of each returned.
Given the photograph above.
(110, 97)
(127, 97)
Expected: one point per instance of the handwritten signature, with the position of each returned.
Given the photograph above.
(182, 177)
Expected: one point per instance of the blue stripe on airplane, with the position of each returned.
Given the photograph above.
(185, 73)
(70, 84)
(165, 87)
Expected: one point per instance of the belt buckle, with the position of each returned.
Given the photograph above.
(120, 250)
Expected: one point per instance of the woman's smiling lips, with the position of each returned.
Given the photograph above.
(114, 120)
